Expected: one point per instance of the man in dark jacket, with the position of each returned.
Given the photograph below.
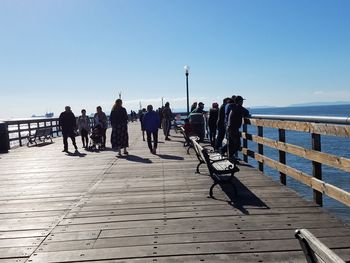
(166, 122)
(68, 124)
(234, 124)
(151, 123)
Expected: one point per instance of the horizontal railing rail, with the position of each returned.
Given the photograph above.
(313, 125)
(19, 130)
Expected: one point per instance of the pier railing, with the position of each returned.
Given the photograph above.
(316, 127)
(20, 130)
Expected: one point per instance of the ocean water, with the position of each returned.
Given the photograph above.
(330, 144)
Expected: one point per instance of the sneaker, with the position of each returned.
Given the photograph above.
(65, 150)
(167, 139)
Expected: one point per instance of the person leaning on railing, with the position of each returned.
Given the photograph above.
(234, 124)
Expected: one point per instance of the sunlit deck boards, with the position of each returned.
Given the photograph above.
(146, 208)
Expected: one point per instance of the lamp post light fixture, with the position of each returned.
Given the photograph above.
(187, 70)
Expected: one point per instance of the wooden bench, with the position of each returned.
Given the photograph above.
(188, 141)
(41, 134)
(314, 250)
(217, 166)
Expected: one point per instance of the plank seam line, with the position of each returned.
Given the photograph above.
(100, 178)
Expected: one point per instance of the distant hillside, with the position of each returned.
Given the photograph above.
(262, 107)
(320, 103)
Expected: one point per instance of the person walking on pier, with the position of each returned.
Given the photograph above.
(84, 128)
(141, 116)
(119, 121)
(234, 124)
(68, 125)
(151, 123)
(101, 119)
(167, 116)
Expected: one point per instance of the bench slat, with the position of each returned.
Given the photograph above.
(315, 251)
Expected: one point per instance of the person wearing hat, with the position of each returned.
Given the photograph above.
(238, 112)
(199, 109)
(202, 124)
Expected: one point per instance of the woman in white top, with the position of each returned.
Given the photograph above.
(84, 128)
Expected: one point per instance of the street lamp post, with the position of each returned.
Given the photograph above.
(187, 70)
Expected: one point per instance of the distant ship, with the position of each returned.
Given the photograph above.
(47, 115)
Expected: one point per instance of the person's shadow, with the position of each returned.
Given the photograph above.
(134, 158)
(76, 154)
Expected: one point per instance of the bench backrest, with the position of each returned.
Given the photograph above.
(43, 132)
(184, 134)
(198, 150)
(314, 250)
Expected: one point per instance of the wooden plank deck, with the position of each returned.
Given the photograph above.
(95, 207)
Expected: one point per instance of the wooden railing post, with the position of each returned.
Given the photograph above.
(317, 167)
(282, 154)
(245, 142)
(19, 133)
(57, 128)
(261, 148)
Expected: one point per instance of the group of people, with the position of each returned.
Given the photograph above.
(223, 121)
(118, 118)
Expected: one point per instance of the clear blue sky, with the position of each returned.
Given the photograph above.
(83, 53)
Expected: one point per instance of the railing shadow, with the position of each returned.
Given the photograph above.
(170, 157)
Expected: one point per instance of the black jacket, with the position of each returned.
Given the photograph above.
(235, 118)
(221, 118)
(67, 121)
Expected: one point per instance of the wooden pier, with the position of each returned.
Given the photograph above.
(95, 207)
